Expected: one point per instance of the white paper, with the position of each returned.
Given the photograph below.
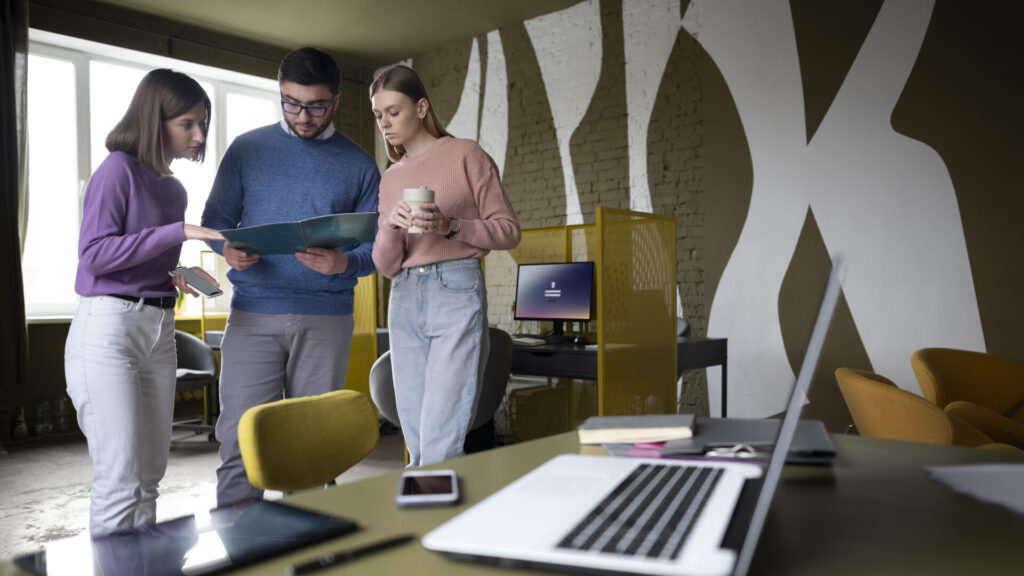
(1001, 484)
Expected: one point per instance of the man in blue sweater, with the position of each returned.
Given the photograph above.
(291, 323)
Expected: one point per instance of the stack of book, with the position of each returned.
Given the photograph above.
(636, 429)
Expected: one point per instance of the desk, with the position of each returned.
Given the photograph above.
(872, 511)
(575, 361)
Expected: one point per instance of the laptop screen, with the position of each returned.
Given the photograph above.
(788, 428)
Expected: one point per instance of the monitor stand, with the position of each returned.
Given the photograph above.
(557, 335)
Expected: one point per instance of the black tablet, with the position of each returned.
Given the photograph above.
(231, 537)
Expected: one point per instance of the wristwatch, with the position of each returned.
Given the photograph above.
(453, 228)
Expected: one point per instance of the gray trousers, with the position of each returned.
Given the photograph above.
(265, 357)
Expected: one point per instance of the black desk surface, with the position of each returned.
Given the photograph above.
(578, 361)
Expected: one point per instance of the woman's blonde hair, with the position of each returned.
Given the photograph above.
(161, 95)
(401, 78)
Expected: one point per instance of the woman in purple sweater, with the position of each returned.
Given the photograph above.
(120, 358)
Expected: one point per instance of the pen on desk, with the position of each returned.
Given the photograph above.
(336, 558)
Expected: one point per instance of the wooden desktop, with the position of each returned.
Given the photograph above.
(874, 510)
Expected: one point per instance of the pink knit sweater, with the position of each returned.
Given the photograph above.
(466, 187)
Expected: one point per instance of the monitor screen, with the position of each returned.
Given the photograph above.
(556, 291)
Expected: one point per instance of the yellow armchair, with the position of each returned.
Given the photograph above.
(880, 409)
(983, 389)
(301, 443)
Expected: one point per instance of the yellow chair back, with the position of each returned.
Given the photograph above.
(302, 443)
(947, 375)
(880, 409)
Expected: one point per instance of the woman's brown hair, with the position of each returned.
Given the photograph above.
(161, 95)
(401, 78)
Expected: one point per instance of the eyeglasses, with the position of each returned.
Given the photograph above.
(295, 109)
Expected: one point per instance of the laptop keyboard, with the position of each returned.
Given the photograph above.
(648, 514)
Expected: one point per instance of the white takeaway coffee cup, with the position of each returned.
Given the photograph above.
(414, 197)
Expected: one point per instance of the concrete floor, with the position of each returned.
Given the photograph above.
(44, 485)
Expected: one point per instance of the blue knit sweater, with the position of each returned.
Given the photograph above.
(268, 175)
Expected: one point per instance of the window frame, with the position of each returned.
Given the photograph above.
(80, 54)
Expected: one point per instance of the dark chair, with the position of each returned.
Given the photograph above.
(197, 368)
(492, 391)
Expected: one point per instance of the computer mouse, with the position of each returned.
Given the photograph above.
(580, 340)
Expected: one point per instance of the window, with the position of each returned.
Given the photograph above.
(77, 91)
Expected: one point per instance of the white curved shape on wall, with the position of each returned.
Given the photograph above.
(464, 122)
(649, 30)
(569, 50)
(494, 121)
(884, 202)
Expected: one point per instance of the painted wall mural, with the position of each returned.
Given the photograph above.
(860, 179)
(649, 30)
(494, 121)
(568, 48)
(826, 163)
(464, 124)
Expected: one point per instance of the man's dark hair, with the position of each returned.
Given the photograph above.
(310, 67)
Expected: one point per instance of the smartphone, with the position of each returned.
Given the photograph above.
(193, 279)
(427, 488)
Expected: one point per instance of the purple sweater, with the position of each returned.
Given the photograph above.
(131, 232)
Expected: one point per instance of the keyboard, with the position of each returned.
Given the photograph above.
(527, 341)
(649, 514)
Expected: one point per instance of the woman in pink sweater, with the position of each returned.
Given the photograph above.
(437, 316)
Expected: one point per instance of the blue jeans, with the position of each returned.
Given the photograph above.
(437, 320)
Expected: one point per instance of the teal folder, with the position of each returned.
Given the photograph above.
(331, 231)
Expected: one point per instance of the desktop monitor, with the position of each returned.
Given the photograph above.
(559, 292)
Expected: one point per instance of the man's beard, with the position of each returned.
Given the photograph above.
(291, 125)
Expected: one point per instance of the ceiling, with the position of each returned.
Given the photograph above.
(363, 31)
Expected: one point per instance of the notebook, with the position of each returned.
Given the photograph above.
(640, 428)
(632, 515)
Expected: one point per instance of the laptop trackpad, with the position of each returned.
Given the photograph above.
(564, 485)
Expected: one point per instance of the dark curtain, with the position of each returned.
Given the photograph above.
(13, 71)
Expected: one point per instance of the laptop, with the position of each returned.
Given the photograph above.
(597, 514)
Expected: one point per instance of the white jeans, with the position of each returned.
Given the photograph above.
(120, 364)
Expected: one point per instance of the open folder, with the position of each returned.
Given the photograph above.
(330, 231)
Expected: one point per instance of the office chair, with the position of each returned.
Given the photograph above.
(984, 389)
(197, 368)
(481, 431)
(302, 443)
(880, 409)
